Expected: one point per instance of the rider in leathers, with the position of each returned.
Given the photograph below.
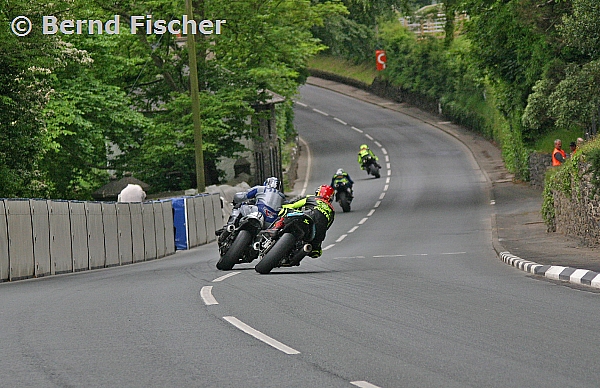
(363, 153)
(319, 208)
(268, 200)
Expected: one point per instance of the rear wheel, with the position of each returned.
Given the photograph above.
(343, 200)
(280, 250)
(374, 170)
(235, 251)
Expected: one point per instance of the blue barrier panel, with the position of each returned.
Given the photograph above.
(40, 220)
(4, 264)
(180, 223)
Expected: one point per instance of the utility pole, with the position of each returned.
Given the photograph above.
(195, 97)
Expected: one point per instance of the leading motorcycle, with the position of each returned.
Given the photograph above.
(286, 245)
(237, 247)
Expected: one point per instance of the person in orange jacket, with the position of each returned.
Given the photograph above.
(558, 155)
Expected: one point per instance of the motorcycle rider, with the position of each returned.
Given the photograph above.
(268, 198)
(342, 177)
(365, 152)
(320, 209)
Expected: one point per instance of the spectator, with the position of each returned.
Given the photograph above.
(558, 155)
(573, 147)
(132, 193)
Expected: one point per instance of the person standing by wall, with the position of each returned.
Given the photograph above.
(558, 155)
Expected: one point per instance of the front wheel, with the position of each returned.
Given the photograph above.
(280, 250)
(235, 251)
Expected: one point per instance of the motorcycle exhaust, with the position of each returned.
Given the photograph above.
(307, 248)
(230, 228)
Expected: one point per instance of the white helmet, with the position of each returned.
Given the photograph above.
(272, 182)
(339, 172)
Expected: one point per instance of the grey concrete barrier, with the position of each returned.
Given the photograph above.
(79, 236)
(41, 237)
(125, 239)
(217, 214)
(200, 219)
(95, 235)
(137, 231)
(159, 227)
(167, 210)
(110, 222)
(209, 211)
(20, 239)
(149, 230)
(40, 220)
(4, 259)
(60, 238)
(191, 221)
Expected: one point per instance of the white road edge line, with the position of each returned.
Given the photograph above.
(260, 336)
(377, 204)
(363, 384)
(329, 247)
(371, 213)
(340, 121)
(206, 295)
(378, 144)
(308, 167)
(353, 229)
(384, 151)
(300, 103)
(357, 130)
(220, 279)
(362, 221)
(369, 136)
(321, 112)
(342, 237)
(382, 195)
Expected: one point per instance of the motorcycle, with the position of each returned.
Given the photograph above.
(285, 246)
(237, 247)
(371, 166)
(343, 195)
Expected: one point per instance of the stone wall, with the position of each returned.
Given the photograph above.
(538, 164)
(579, 216)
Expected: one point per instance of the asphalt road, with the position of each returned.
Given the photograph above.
(409, 291)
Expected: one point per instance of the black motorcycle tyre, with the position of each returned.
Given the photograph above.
(343, 200)
(236, 251)
(374, 170)
(281, 249)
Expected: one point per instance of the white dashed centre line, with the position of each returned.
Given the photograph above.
(260, 336)
(220, 279)
(206, 295)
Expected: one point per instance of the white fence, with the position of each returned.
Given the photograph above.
(48, 237)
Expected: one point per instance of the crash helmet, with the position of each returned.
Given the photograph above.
(339, 172)
(272, 182)
(325, 192)
(364, 147)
